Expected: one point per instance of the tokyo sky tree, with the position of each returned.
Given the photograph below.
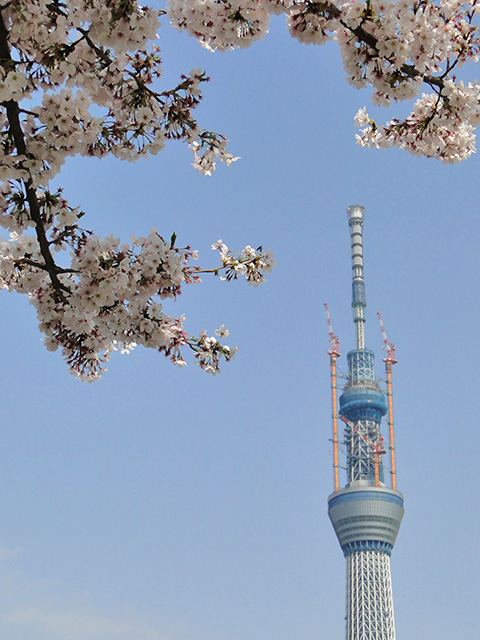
(366, 514)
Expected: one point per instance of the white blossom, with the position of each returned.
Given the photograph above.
(393, 47)
(83, 78)
(91, 68)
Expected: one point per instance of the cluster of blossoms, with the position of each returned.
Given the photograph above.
(82, 53)
(208, 350)
(250, 263)
(393, 47)
(110, 296)
(79, 77)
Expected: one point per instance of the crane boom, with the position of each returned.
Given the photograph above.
(334, 341)
(389, 349)
(334, 353)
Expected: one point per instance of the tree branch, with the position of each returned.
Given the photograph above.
(363, 36)
(13, 111)
(39, 265)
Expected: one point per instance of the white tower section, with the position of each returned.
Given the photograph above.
(366, 520)
(369, 596)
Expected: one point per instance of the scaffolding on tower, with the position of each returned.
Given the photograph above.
(376, 448)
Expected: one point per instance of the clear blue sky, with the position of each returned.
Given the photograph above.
(165, 504)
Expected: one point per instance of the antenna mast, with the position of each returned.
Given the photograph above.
(355, 220)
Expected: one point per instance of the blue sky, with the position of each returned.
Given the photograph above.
(165, 504)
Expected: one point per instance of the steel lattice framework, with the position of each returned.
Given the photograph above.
(366, 514)
(369, 597)
(358, 439)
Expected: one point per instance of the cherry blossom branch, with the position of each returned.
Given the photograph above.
(39, 265)
(13, 111)
(209, 351)
(394, 47)
(71, 57)
(332, 11)
(250, 263)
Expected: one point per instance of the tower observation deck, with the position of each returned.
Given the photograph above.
(365, 514)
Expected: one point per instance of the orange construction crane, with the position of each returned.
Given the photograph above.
(334, 353)
(389, 349)
(377, 448)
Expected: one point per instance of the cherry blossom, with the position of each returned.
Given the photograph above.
(396, 48)
(83, 78)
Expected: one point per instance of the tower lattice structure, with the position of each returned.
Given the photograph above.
(366, 514)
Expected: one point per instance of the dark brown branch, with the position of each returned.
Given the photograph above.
(370, 40)
(13, 111)
(39, 265)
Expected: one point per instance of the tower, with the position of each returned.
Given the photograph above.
(366, 514)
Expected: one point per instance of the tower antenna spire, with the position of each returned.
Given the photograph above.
(356, 215)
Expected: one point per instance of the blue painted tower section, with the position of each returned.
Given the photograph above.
(366, 514)
(363, 404)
